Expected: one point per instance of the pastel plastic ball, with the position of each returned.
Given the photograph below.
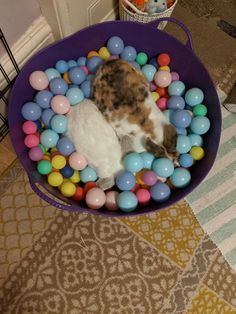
(35, 153)
(162, 104)
(141, 58)
(104, 53)
(75, 95)
(59, 123)
(67, 172)
(200, 110)
(77, 161)
(162, 78)
(115, 45)
(86, 89)
(155, 96)
(149, 72)
(174, 76)
(68, 189)
(44, 167)
(38, 80)
(43, 98)
(92, 53)
(181, 131)
(75, 178)
(95, 198)
(194, 96)
(111, 200)
(52, 73)
(49, 138)
(71, 64)
(200, 125)
(160, 192)
(133, 162)
(195, 140)
(165, 68)
(62, 66)
(29, 127)
(150, 178)
(129, 54)
(58, 162)
(197, 152)
(176, 102)
(31, 111)
(81, 61)
(185, 160)
(163, 167)
(163, 59)
(125, 181)
(183, 144)
(46, 117)
(127, 201)
(55, 179)
(94, 63)
(31, 140)
(88, 174)
(181, 118)
(77, 75)
(148, 159)
(79, 194)
(60, 104)
(58, 86)
(65, 146)
(167, 113)
(180, 178)
(176, 88)
(143, 196)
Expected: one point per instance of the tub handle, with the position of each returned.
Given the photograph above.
(155, 24)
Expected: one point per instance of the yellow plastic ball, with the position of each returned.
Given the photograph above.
(68, 189)
(92, 53)
(155, 96)
(58, 162)
(76, 177)
(53, 149)
(55, 179)
(197, 152)
(104, 53)
(165, 68)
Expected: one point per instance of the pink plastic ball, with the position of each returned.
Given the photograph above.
(175, 76)
(29, 127)
(35, 153)
(31, 140)
(143, 196)
(86, 70)
(162, 103)
(38, 80)
(111, 200)
(60, 104)
(162, 78)
(150, 178)
(77, 161)
(95, 198)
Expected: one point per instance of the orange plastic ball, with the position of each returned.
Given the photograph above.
(163, 59)
(66, 78)
(161, 91)
(79, 194)
(89, 185)
(92, 53)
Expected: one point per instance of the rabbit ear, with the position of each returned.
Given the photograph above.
(155, 149)
(169, 138)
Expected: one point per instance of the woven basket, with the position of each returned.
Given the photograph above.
(128, 12)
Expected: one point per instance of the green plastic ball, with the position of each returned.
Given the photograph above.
(200, 110)
(44, 167)
(141, 58)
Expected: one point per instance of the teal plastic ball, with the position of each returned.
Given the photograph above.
(163, 167)
(49, 138)
(195, 139)
(133, 162)
(127, 201)
(183, 144)
(149, 72)
(59, 123)
(176, 88)
(194, 96)
(180, 178)
(200, 125)
(88, 174)
(148, 159)
(75, 95)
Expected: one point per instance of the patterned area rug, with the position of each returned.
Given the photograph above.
(59, 262)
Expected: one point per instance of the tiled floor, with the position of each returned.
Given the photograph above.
(7, 154)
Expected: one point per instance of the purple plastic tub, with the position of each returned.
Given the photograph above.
(144, 37)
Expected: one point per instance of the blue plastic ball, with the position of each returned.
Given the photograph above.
(148, 159)
(127, 201)
(176, 88)
(133, 162)
(195, 140)
(93, 64)
(200, 125)
(167, 113)
(149, 72)
(46, 117)
(65, 146)
(185, 160)
(115, 45)
(153, 61)
(62, 66)
(129, 54)
(183, 144)
(74, 95)
(52, 73)
(71, 64)
(81, 61)
(59, 123)
(125, 181)
(175, 102)
(180, 178)
(49, 138)
(86, 89)
(163, 167)
(194, 96)
(38, 123)
(181, 131)
(43, 98)
(181, 118)
(58, 86)
(31, 111)
(160, 192)
(88, 174)
(67, 171)
(77, 75)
